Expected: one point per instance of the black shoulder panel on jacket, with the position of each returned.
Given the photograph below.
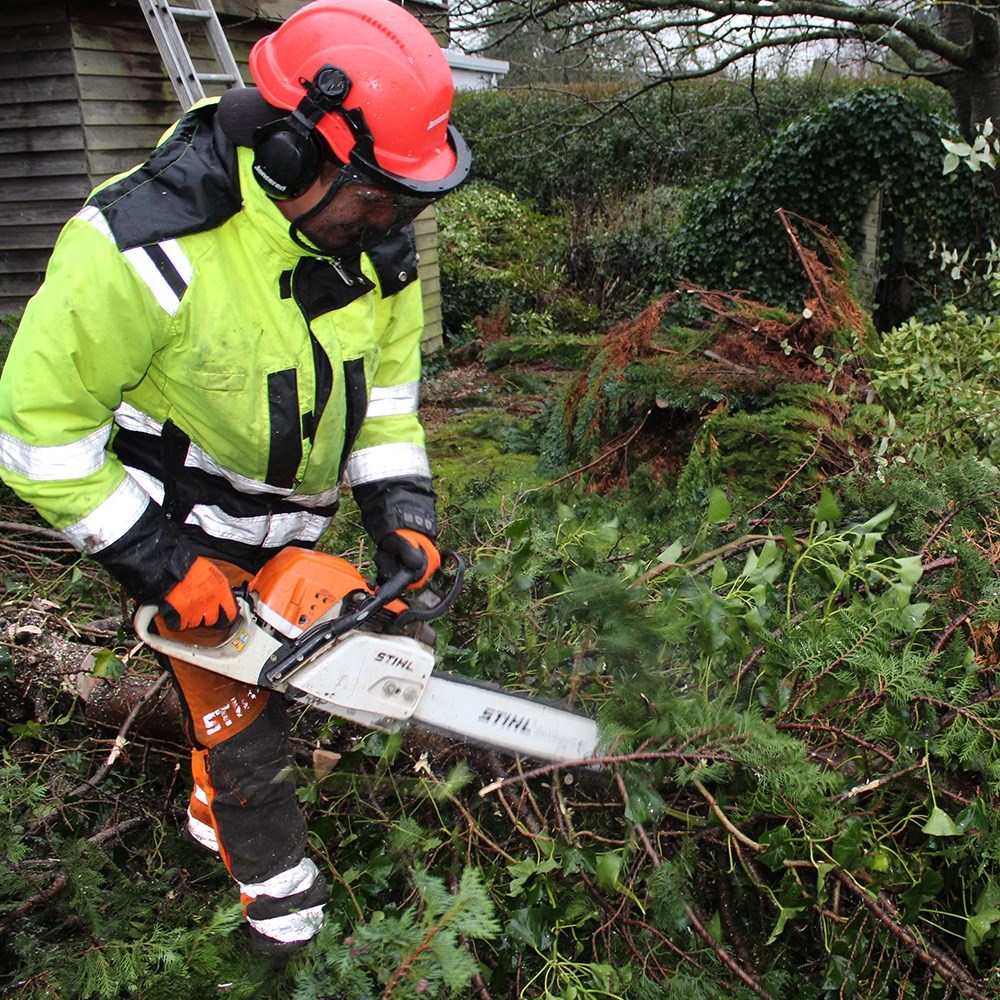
(395, 261)
(188, 184)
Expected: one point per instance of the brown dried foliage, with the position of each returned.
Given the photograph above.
(753, 347)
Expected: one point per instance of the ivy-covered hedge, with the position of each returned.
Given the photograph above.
(675, 186)
(828, 167)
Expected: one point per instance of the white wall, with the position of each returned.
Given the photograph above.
(475, 72)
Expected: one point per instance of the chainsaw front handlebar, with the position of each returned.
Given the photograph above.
(323, 632)
(435, 601)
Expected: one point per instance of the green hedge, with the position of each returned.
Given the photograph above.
(583, 145)
(686, 182)
(501, 260)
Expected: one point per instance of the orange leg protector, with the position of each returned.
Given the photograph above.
(243, 803)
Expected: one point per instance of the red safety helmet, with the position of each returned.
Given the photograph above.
(393, 122)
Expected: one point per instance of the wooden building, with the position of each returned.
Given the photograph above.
(84, 95)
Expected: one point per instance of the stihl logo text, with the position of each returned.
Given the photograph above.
(399, 662)
(504, 720)
(227, 715)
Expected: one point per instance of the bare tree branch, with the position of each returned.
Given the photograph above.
(651, 42)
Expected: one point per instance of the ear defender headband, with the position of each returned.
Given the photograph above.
(287, 152)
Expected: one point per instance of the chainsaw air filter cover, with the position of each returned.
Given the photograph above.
(298, 587)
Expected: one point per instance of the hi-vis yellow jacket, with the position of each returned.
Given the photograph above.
(189, 381)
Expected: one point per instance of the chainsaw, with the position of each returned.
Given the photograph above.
(311, 627)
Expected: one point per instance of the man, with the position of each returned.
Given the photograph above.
(224, 335)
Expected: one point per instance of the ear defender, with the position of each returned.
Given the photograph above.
(287, 152)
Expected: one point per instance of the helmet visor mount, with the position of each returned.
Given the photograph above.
(365, 203)
(363, 156)
(326, 93)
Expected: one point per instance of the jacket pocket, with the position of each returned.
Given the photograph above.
(216, 381)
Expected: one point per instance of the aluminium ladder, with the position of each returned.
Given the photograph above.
(188, 83)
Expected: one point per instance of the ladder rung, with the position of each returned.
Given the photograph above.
(162, 17)
(202, 15)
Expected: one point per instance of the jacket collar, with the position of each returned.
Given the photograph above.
(263, 214)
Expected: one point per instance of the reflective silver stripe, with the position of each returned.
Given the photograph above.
(198, 458)
(45, 463)
(129, 418)
(200, 794)
(387, 461)
(92, 216)
(267, 531)
(167, 296)
(323, 499)
(179, 259)
(203, 833)
(142, 264)
(110, 520)
(149, 483)
(286, 883)
(394, 400)
(300, 926)
(287, 528)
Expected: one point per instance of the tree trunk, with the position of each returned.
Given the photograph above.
(50, 668)
(975, 89)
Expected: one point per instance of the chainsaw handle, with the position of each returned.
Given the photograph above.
(143, 624)
(395, 587)
(419, 611)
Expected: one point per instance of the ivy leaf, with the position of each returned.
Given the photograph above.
(940, 824)
(670, 554)
(784, 915)
(719, 507)
(912, 617)
(106, 664)
(644, 803)
(827, 509)
(531, 925)
(910, 569)
(847, 850)
(974, 817)
(779, 846)
(609, 866)
(930, 884)
(977, 928)
(875, 521)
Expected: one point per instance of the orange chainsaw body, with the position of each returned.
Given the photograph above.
(298, 587)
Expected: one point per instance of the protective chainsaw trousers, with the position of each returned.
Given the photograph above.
(243, 803)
